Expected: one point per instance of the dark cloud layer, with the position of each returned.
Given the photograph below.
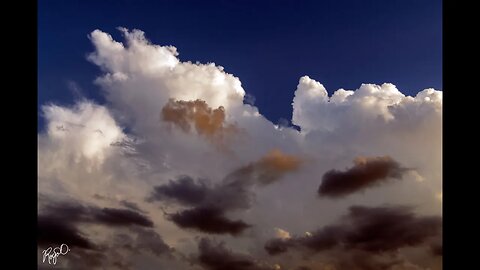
(208, 205)
(131, 205)
(145, 240)
(215, 256)
(371, 229)
(75, 212)
(366, 172)
(437, 249)
(54, 231)
(120, 217)
(209, 220)
(58, 222)
(184, 190)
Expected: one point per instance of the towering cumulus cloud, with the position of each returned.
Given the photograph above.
(141, 180)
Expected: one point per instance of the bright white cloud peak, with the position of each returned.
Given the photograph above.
(88, 155)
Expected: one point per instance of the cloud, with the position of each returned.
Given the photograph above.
(267, 170)
(366, 238)
(437, 249)
(76, 212)
(210, 204)
(367, 172)
(124, 151)
(63, 222)
(87, 128)
(198, 115)
(183, 190)
(123, 217)
(139, 63)
(282, 234)
(215, 256)
(146, 239)
(131, 205)
(209, 220)
(59, 222)
(370, 229)
(384, 104)
(249, 99)
(55, 231)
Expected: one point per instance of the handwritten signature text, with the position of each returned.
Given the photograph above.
(51, 254)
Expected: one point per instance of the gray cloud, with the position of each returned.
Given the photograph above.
(56, 231)
(367, 172)
(121, 148)
(132, 206)
(183, 190)
(210, 204)
(215, 256)
(209, 220)
(370, 229)
(75, 213)
(60, 222)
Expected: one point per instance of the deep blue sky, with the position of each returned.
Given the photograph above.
(269, 45)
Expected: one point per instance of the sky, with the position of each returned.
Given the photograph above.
(244, 135)
(268, 44)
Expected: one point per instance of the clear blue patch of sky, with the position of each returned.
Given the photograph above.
(269, 45)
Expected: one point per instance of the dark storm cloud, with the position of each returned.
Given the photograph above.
(366, 172)
(131, 205)
(184, 190)
(215, 256)
(120, 217)
(145, 240)
(208, 220)
(361, 260)
(278, 245)
(210, 204)
(436, 249)
(388, 228)
(371, 229)
(54, 231)
(75, 212)
(58, 222)
(234, 190)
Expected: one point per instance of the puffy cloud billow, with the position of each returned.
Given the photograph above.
(176, 171)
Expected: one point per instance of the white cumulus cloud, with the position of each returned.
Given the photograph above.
(115, 154)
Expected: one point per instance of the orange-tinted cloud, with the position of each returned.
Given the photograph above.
(267, 169)
(188, 115)
(279, 162)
